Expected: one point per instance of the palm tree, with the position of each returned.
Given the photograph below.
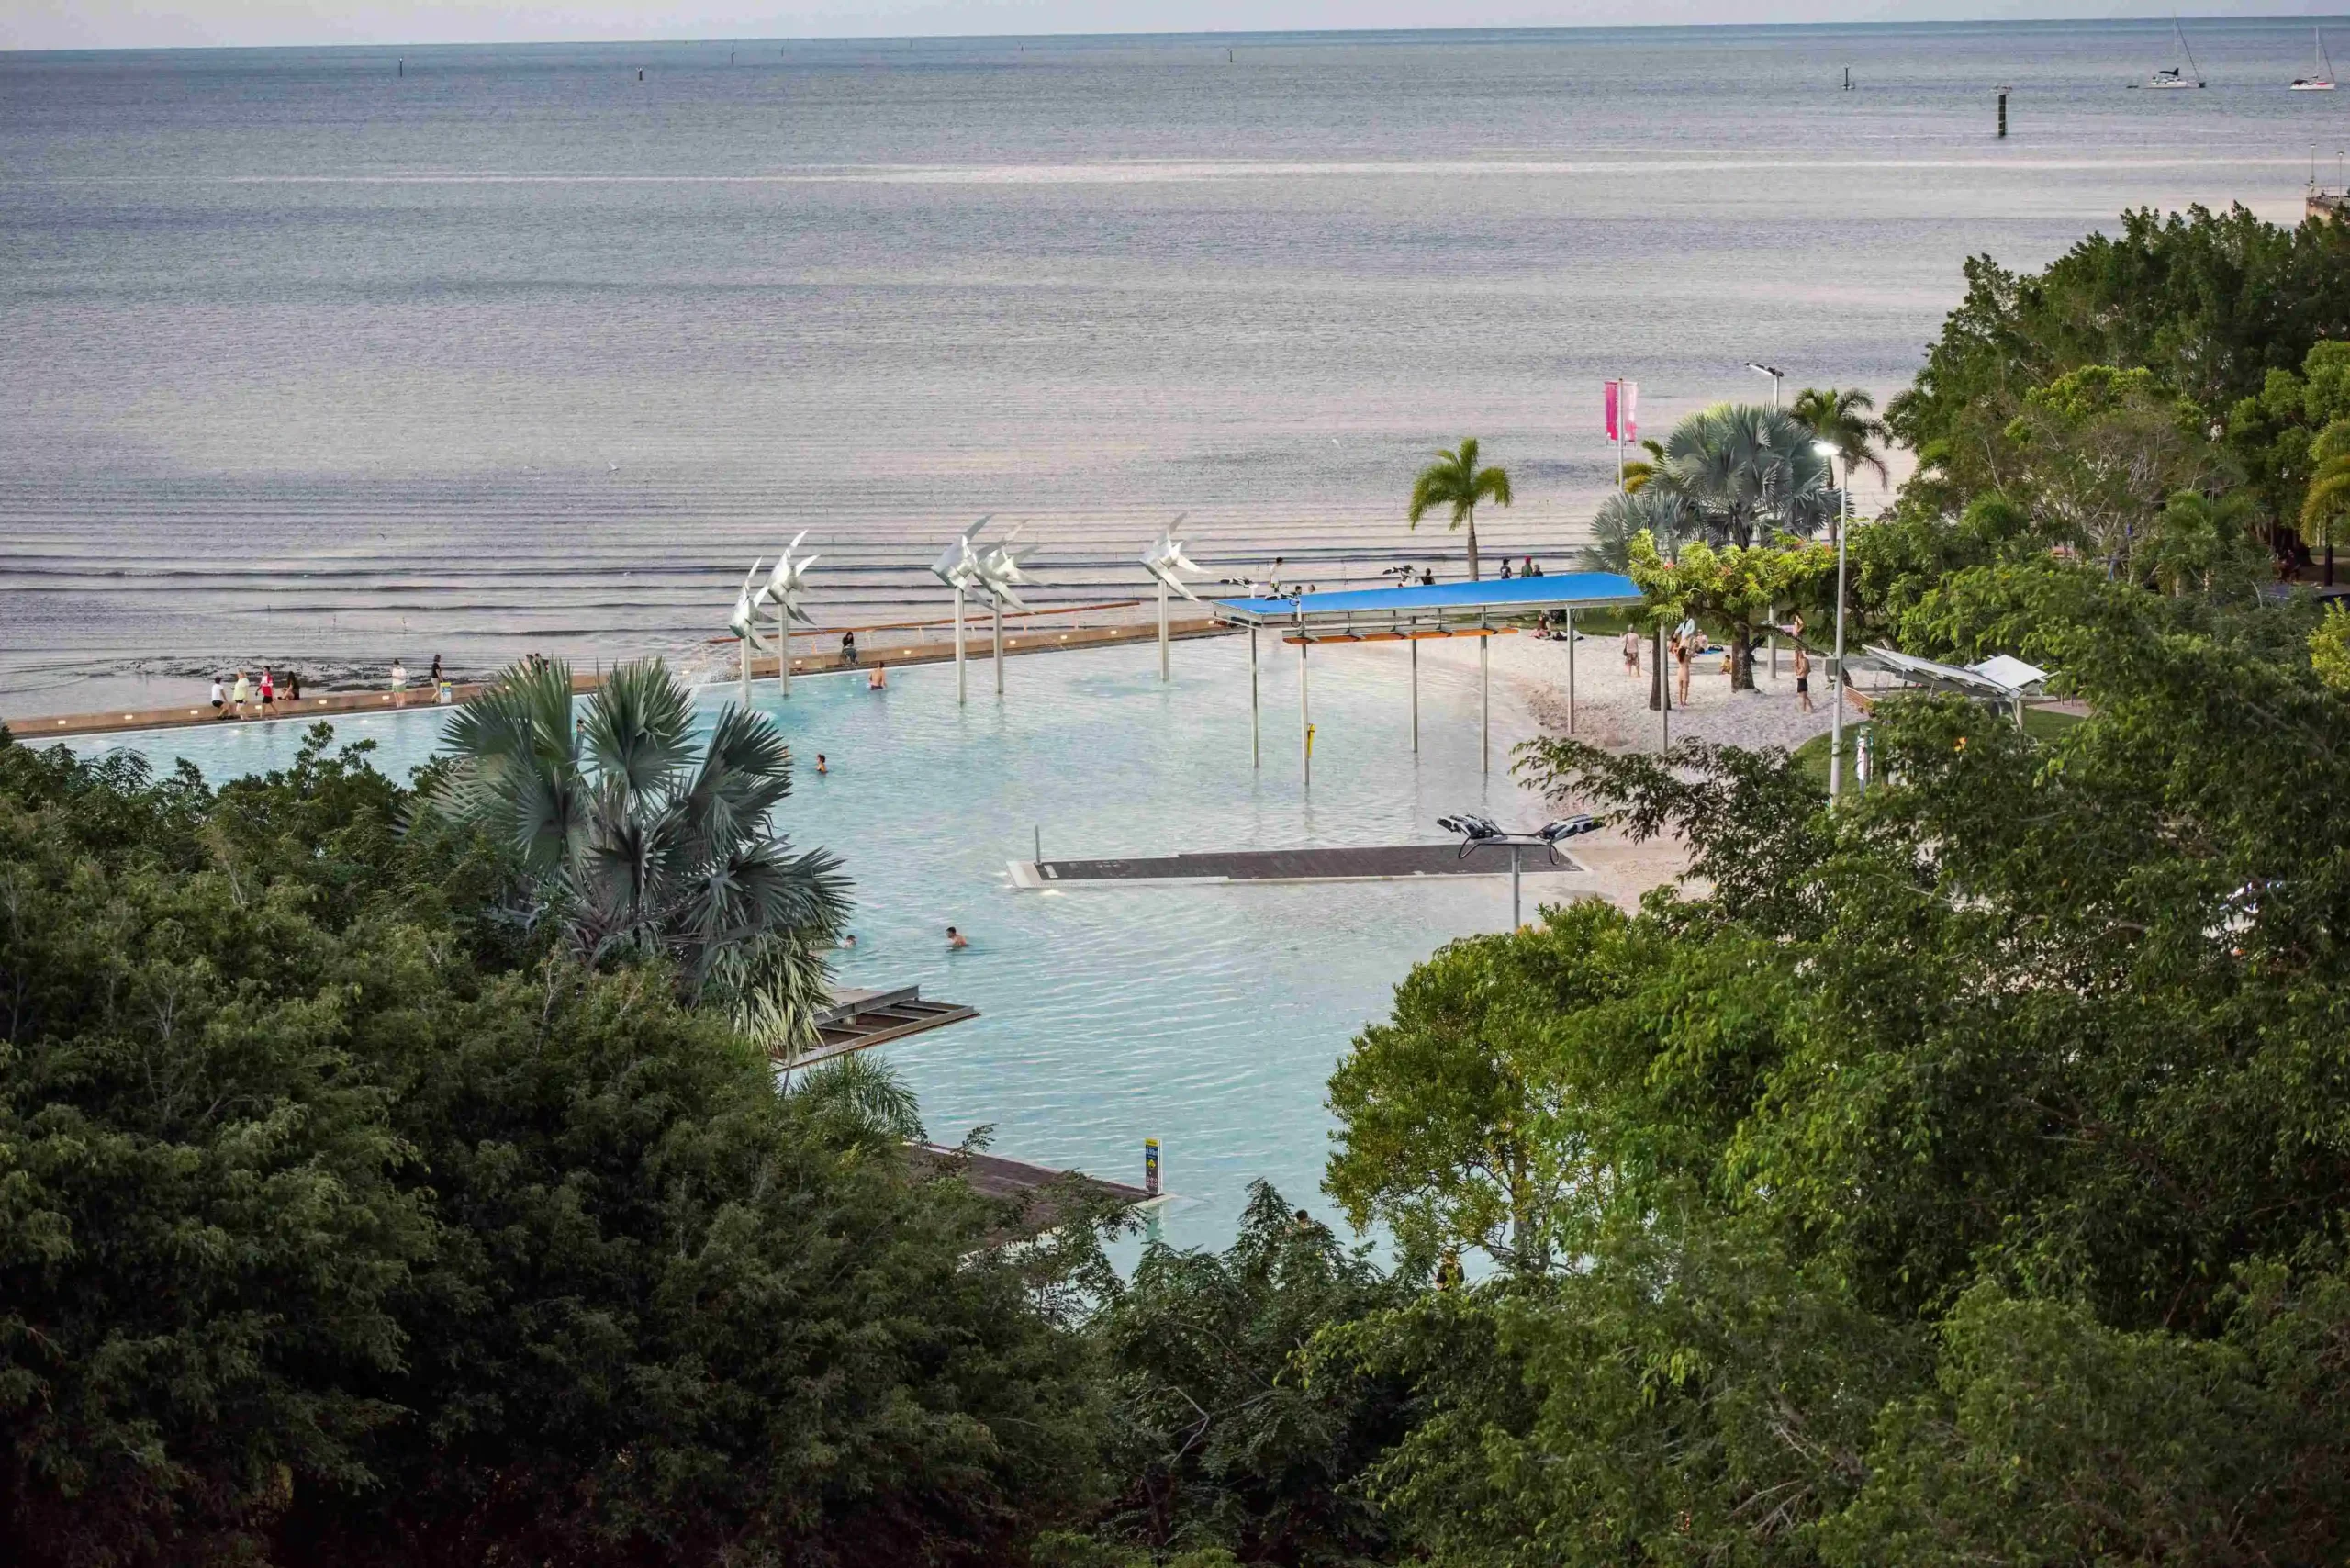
(1743, 469)
(633, 844)
(1846, 421)
(1454, 480)
(1639, 471)
(2328, 497)
(1661, 512)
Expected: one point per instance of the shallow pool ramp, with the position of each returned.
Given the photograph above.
(1382, 862)
(857, 1019)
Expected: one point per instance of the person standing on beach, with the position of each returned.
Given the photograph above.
(1684, 649)
(220, 700)
(1803, 677)
(241, 693)
(399, 684)
(1632, 652)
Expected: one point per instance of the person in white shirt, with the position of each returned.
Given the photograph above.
(220, 700)
(399, 684)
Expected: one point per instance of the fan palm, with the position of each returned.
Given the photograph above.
(1640, 470)
(1743, 469)
(2328, 497)
(1846, 421)
(1661, 513)
(636, 842)
(1454, 480)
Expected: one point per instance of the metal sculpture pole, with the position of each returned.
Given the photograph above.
(997, 605)
(785, 586)
(961, 691)
(958, 568)
(743, 623)
(998, 571)
(1166, 562)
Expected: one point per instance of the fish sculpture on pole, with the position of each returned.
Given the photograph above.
(998, 575)
(958, 568)
(786, 584)
(1165, 561)
(744, 623)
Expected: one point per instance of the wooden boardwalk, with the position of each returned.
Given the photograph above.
(1373, 863)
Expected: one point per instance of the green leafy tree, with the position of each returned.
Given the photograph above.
(2100, 451)
(1233, 1442)
(635, 842)
(1456, 484)
(1732, 589)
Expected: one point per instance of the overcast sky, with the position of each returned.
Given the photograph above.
(163, 24)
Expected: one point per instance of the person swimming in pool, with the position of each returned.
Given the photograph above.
(955, 939)
(819, 764)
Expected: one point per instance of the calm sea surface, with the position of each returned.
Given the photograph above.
(306, 359)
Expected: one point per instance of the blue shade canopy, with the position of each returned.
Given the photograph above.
(1447, 603)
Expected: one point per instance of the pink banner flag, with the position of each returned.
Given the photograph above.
(1631, 410)
(1611, 410)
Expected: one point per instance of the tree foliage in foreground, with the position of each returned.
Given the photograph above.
(337, 1229)
(1960, 1175)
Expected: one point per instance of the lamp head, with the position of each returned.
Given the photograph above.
(1825, 448)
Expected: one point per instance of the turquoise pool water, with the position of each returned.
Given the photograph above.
(1209, 1017)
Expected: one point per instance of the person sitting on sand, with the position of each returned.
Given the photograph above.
(848, 649)
(293, 686)
(955, 939)
(878, 680)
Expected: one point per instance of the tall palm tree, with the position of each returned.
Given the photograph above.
(1846, 421)
(635, 843)
(1743, 469)
(2328, 497)
(1661, 512)
(1454, 480)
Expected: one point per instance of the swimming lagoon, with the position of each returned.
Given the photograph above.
(1207, 1016)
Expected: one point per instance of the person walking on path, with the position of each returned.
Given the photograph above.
(268, 691)
(436, 669)
(1632, 652)
(399, 684)
(242, 693)
(1803, 677)
(220, 700)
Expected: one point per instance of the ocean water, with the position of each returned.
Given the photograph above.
(1209, 1017)
(309, 360)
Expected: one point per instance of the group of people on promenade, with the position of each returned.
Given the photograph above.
(1687, 641)
(438, 684)
(244, 699)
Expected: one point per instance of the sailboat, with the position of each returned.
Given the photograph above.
(2175, 76)
(2323, 80)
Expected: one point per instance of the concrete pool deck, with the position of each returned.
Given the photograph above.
(329, 704)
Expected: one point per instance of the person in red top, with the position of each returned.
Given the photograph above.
(268, 690)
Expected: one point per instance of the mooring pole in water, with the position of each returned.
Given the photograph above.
(2003, 113)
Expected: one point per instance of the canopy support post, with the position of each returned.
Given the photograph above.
(1304, 719)
(1255, 740)
(1484, 697)
(1415, 643)
(1571, 672)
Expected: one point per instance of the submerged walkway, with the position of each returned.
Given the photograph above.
(315, 706)
(1373, 863)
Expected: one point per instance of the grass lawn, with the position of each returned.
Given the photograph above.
(1812, 756)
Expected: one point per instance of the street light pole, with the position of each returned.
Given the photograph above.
(1836, 719)
(1774, 373)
